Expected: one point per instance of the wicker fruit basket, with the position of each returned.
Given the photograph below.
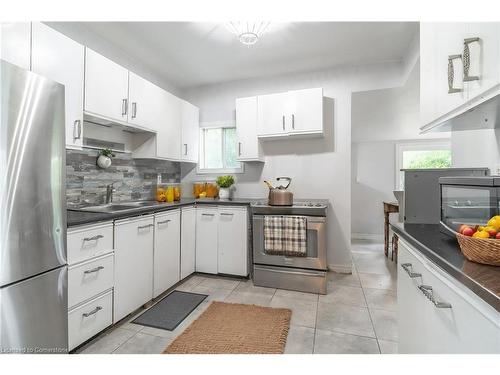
(480, 250)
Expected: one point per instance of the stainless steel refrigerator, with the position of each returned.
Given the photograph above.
(33, 270)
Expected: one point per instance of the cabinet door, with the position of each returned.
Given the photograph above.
(206, 239)
(146, 103)
(61, 59)
(133, 265)
(15, 43)
(188, 241)
(449, 42)
(306, 111)
(272, 115)
(232, 249)
(190, 132)
(428, 71)
(484, 57)
(249, 147)
(168, 138)
(167, 251)
(106, 87)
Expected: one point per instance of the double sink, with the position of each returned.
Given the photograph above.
(119, 206)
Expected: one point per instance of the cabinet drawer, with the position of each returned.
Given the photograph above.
(89, 241)
(89, 319)
(90, 278)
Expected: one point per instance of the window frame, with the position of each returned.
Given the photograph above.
(416, 145)
(215, 125)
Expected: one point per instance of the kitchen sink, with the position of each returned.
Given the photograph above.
(119, 206)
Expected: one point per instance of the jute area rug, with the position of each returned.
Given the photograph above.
(233, 328)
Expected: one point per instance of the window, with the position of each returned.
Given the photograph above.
(421, 155)
(219, 150)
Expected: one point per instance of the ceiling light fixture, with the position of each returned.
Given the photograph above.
(248, 33)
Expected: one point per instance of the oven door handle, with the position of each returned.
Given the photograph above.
(315, 274)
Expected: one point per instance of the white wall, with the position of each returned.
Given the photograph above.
(319, 168)
(476, 148)
(380, 119)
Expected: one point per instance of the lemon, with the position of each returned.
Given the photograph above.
(481, 234)
(494, 222)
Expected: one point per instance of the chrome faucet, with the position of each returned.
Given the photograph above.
(109, 192)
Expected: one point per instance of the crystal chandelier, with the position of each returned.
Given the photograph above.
(248, 33)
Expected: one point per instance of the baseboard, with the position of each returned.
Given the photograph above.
(367, 237)
(340, 268)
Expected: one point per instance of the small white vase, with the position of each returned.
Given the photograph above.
(103, 161)
(224, 193)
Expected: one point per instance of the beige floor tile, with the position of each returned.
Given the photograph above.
(328, 342)
(218, 283)
(376, 281)
(303, 312)
(381, 299)
(346, 279)
(107, 343)
(159, 332)
(346, 295)
(214, 294)
(300, 340)
(300, 296)
(388, 347)
(249, 287)
(249, 298)
(344, 318)
(385, 323)
(142, 343)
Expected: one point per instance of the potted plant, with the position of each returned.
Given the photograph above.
(225, 183)
(104, 158)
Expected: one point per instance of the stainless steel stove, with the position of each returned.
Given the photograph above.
(305, 274)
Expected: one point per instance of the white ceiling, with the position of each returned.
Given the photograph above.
(189, 54)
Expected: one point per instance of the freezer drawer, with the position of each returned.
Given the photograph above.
(290, 278)
(89, 319)
(88, 279)
(34, 314)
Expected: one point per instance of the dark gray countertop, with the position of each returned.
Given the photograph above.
(444, 251)
(75, 217)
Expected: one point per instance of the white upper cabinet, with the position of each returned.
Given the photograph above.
(146, 103)
(169, 136)
(61, 59)
(459, 68)
(190, 132)
(106, 87)
(292, 113)
(306, 111)
(15, 43)
(249, 147)
(272, 115)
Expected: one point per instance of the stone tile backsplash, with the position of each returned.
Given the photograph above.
(134, 178)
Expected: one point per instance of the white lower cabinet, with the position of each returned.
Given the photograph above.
(232, 241)
(470, 325)
(188, 241)
(206, 239)
(89, 319)
(134, 240)
(167, 251)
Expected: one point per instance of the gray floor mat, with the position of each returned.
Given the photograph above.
(171, 310)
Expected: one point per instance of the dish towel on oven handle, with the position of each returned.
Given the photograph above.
(285, 235)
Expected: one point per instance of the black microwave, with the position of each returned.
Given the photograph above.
(468, 200)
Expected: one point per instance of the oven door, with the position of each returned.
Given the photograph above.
(316, 246)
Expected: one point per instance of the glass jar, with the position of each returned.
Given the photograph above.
(199, 188)
(168, 192)
(212, 189)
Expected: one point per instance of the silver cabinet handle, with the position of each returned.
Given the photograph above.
(97, 269)
(466, 60)
(429, 294)
(239, 148)
(227, 214)
(134, 110)
(164, 221)
(451, 74)
(124, 107)
(144, 226)
(185, 148)
(207, 214)
(86, 315)
(408, 267)
(77, 126)
(283, 122)
(293, 121)
(95, 238)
